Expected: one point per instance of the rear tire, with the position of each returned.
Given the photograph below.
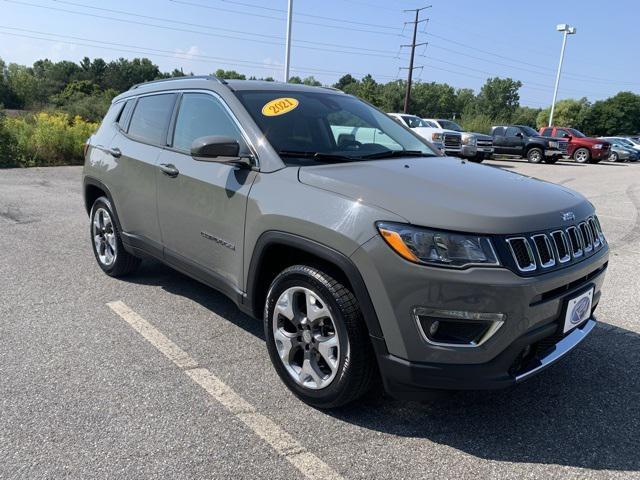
(552, 160)
(317, 339)
(582, 155)
(535, 155)
(478, 158)
(108, 249)
(614, 157)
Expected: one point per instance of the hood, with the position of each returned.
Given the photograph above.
(479, 136)
(588, 141)
(451, 194)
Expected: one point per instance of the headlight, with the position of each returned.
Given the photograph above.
(598, 146)
(553, 144)
(436, 137)
(432, 247)
(470, 140)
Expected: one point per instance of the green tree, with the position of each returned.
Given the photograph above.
(229, 74)
(345, 81)
(312, 82)
(525, 116)
(617, 115)
(568, 113)
(295, 80)
(499, 98)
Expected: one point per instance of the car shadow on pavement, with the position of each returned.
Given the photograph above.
(583, 412)
(152, 272)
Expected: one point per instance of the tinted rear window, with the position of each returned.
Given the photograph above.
(547, 132)
(151, 118)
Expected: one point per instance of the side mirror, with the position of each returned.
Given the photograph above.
(218, 149)
(519, 135)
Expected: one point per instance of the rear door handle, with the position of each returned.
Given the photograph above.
(169, 170)
(114, 152)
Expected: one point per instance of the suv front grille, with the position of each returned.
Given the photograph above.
(484, 143)
(563, 146)
(545, 250)
(452, 141)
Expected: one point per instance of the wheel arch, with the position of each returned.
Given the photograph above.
(274, 251)
(94, 189)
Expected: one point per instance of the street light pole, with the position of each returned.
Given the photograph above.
(287, 57)
(567, 30)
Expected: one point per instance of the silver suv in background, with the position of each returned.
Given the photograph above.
(366, 255)
(475, 146)
(448, 141)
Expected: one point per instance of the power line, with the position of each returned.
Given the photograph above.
(308, 15)
(360, 51)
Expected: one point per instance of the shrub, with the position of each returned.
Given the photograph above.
(44, 139)
(479, 123)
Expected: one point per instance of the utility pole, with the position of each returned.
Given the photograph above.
(287, 57)
(413, 46)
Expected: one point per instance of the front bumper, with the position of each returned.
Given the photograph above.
(413, 380)
(553, 153)
(533, 307)
(602, 153)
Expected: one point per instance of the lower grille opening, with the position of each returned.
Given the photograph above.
(452, 332)
(569, 286)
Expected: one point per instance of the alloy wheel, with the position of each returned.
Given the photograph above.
(306, 338)
(104, 237)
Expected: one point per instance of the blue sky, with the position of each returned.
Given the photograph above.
(468, 40)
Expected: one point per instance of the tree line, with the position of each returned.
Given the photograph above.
(86, 89)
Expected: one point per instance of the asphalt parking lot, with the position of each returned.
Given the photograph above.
(159, 376)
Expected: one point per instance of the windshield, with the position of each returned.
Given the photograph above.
(413, 122)
(449, 125)
(530, 132)
(623, 141)
(576, 133)
(308, 128)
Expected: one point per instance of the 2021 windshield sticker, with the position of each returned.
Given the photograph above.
(279, 106)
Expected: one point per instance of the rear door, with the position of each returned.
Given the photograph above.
(137, 147)
(499, 140)
(514, 141)
(202, 207)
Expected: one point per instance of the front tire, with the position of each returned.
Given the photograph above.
(552, 160)
(614, 157)
(535, 155)
(582, 155)
(317, 339)
(110, 254)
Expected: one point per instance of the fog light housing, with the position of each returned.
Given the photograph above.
(453, 328)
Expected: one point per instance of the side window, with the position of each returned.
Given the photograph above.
(201, 115)
(498, 132)
(561, 133)
(547, 132)
(512, 132)
(126, 113)
(151, 117)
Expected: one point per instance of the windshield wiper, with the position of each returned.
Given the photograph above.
(397, 153)
(332, 157)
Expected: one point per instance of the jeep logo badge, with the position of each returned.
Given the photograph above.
(567, 216)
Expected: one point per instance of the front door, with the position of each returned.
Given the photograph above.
(202, 204)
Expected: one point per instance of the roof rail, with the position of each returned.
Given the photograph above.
(186, 77)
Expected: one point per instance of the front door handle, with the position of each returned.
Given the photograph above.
(169, 170)
(114, 152)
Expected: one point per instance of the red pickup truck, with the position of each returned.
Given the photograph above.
(582, 149)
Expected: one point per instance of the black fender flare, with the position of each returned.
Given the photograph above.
(328, 254)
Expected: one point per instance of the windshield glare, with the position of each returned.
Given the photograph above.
(325, 127)
(449, 125)
(414, 122)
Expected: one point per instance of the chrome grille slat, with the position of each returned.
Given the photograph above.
(550, 249)
(544, 250)
(587, 241)
(525, 260)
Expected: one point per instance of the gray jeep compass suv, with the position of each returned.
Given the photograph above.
(366, 253)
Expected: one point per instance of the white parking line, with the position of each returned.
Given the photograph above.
(306, 462)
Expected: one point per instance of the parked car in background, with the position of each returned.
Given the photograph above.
(448, 141)
(582, 149)
(524, 142)
(475, 146)
(622, 150)
(632, 142)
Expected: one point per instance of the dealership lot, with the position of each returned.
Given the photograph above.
(158, 375)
